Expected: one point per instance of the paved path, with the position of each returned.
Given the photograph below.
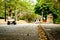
(52, 30)
(19, 32)
(27, 31)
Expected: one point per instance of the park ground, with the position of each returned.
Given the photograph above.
(2, 21)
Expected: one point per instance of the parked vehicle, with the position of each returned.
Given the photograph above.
(11, 21)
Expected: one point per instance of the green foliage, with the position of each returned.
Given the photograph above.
(43, 8)
(18, 5)
(58, 20)
(21, 17)
(29, 17)
(47, 7)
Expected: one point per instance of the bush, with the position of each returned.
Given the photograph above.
(29, 17)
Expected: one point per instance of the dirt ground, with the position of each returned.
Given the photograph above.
(2, 21)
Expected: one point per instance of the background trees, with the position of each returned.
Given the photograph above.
(28, 7)
(47, 7)
(18, 6)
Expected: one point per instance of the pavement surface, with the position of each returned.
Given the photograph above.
(52, 30)
(19, 32)
(27, 31)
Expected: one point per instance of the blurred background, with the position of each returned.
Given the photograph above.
(29, 10)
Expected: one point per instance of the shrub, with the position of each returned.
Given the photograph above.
(29, 17)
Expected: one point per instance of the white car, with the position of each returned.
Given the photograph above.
(11, 21)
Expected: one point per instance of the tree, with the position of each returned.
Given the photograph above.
(47, 7)
(43, 8)
(19, 5)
